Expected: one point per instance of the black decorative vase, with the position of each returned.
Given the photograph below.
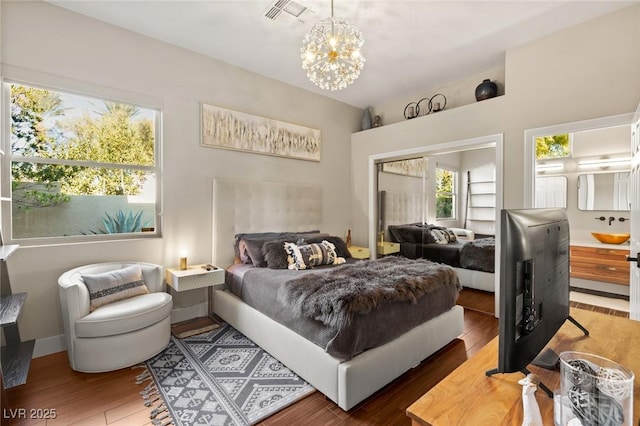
(485, 90)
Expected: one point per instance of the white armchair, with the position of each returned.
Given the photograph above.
(118, 334)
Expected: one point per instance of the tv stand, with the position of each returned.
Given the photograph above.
(466, 397)
(546, 359)
(526, 372)
(577, 324)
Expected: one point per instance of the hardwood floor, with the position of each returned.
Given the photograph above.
(113, 398)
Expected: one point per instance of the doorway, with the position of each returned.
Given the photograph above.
(582, 166)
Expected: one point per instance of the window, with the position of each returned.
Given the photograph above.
(554, 146)
(81, 167)
(446, 188)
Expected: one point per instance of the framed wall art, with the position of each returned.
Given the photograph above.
(228, 129)
(415, 167)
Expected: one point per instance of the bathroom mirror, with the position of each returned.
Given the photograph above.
(551, 192)
(604, 191)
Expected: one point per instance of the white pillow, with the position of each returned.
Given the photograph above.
(440, 235)
(108, 287)
(306, 256)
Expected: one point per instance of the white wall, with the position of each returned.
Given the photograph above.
(41, 41)
(583, 72)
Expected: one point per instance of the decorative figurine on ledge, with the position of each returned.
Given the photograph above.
(412, 110)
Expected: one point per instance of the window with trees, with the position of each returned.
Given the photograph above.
(553, 146)
(446, 192)
(80, 166)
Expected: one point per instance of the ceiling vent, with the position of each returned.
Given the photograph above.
(287, 8)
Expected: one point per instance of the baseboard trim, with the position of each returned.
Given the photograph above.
(599, 293)
(49, 345)
(55, 344)
(189, 312)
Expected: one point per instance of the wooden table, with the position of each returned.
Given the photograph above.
(468, 397)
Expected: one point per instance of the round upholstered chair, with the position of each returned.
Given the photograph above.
(115, 314)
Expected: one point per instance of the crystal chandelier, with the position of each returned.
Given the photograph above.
(331, 53)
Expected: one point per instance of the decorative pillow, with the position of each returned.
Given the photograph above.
(306, 256)
(248, 247)
(240, 244)
(111, 286)
(275, 254)
(451, 234)
(417, 233)
(409, 233)
(340, 246)
(440, 236)
(427, 236)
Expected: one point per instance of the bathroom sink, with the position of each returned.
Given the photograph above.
(611, 238)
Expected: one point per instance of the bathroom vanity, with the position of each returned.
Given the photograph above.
(600, 262)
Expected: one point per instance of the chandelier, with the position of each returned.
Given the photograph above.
(331, 53)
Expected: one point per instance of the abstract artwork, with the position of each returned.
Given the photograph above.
(411, 167)
(228, 129)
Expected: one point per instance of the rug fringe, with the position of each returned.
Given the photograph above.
(159, 415)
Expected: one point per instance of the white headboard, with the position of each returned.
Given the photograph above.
(401, 207)
(258, 206)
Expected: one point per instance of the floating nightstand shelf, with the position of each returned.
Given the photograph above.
(387, 248)
(359, 252)
(193, 277)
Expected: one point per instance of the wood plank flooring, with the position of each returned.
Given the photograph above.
(113, 398)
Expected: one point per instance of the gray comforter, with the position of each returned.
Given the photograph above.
(366, 329)
(479, 254)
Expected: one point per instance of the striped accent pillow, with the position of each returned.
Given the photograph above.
(108, 287)
(306, 256)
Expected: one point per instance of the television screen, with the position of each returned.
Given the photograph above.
(534, 283)
(534, 286)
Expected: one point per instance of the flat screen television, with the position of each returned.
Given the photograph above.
(534, 285)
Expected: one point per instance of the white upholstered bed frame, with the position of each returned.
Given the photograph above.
(400, 208)
(250, 206)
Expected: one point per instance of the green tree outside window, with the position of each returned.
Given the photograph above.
(555, 146)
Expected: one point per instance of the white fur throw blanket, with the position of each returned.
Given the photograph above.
(334, 296)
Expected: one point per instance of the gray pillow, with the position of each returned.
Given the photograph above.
(276, 257)
(341, 247)
(416, 233)
(250, 245)
(111, 286)
(275, 254)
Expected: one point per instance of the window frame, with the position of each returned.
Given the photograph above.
(454, 195)
(88, 90)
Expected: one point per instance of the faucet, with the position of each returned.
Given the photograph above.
(611, 219)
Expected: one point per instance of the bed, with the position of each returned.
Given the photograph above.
(404, 210)
(473, 259)
(346, 377)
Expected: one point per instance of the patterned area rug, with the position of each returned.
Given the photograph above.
(218, 378)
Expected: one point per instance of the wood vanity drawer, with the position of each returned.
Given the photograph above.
(600, 264)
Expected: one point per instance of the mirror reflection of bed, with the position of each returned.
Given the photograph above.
(442, 207)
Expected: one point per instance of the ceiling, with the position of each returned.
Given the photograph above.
(410, 45)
